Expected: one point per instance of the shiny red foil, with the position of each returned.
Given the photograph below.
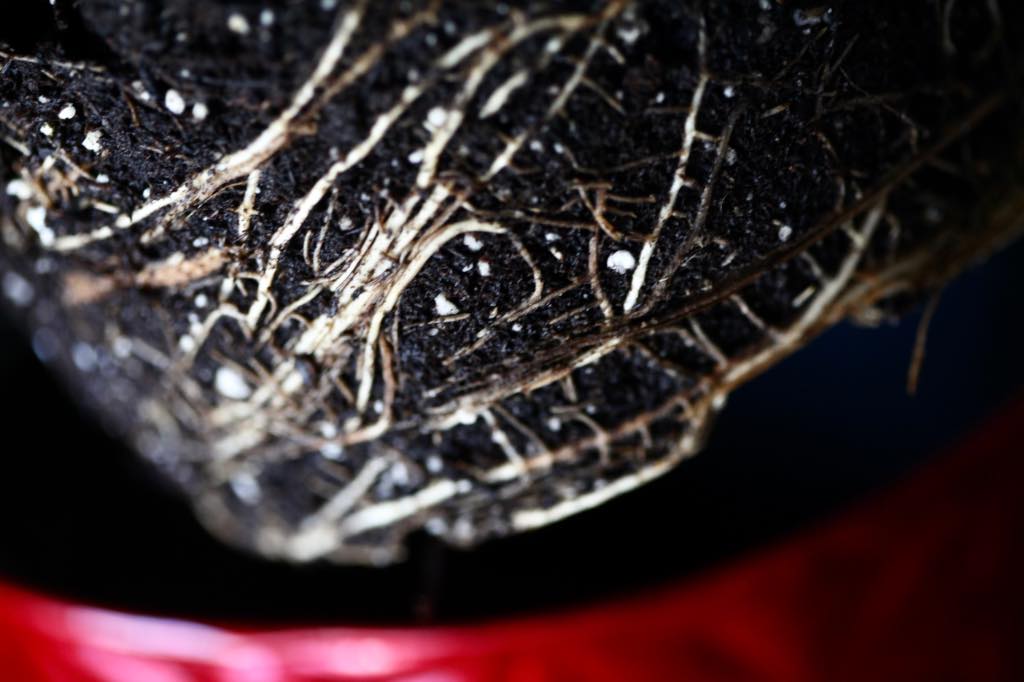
(920, 583)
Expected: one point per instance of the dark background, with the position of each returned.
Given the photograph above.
(80, 517)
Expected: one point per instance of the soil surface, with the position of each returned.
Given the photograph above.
(344, 271)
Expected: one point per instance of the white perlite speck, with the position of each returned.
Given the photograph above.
(245, 487)
(140, 91)
(445, 307)
(484, 267)
(174, 102)
(36, 219)
(17, 289)
(621, 261)
(237, 23)
(436, 526)
(84, 357)
(19, 188)
(200, 111)
(785, 232)
(46, 129)
(436, 117)
(230, 384)
(67, 113)
(122, 347)
(629, 34)
(472, 243)
(92, 140)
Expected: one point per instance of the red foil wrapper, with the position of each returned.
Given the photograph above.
(921, 582)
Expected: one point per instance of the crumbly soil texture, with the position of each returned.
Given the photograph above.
(344, 270)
